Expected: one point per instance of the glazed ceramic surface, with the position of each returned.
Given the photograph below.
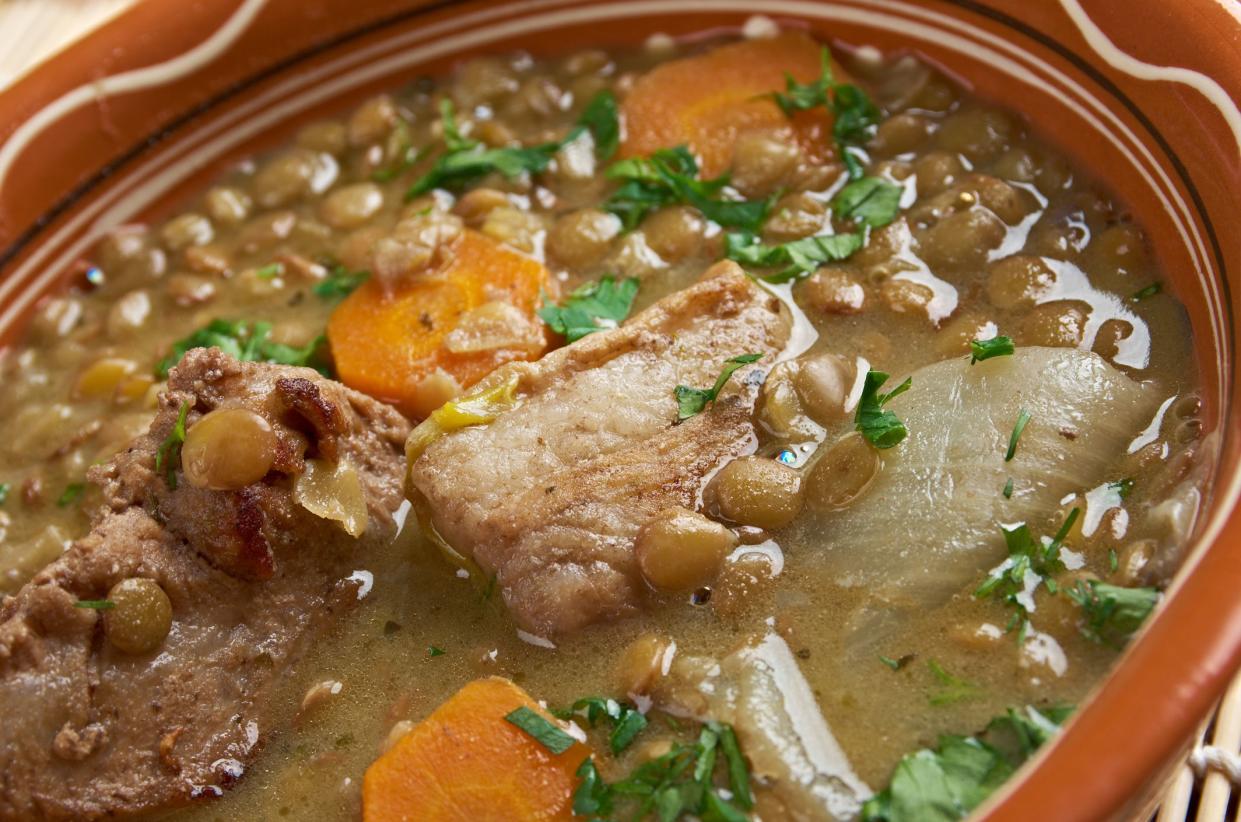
(120, 126)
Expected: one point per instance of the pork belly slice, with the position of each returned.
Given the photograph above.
(548, 498)
(88, 731)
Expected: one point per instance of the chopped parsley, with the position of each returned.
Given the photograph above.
(691, 401)
(433, 651)
(465, 160)
(678, 784)
(168, 457)
(1122, 487)
(5, 488)
(995, 347)
(1029, 564)
(401, 149)
(602, 120)
(72, 493)
(591, 307)
(1113, 613)
(954, 778)
(339, 283)
(1008, 489)
(270, 271)
(249, 341)
(795, 259)
(870, 201)
(95, 604)
(898, 663)
(627, 722)
(1113, 560)
(1023, 419)
(953, 689)
(541, 729)
(881, 427)
(669, 176)
(1149, 291)
(854, 115)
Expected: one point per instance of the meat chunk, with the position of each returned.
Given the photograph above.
(87, 730)
(550, 495)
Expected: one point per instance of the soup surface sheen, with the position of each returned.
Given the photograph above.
(872, 587)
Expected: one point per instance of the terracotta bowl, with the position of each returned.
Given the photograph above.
(121, 125)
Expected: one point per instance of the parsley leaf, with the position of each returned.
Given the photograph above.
(949, 781)
(954, 688)
(95, 604)
(1023, 418)
(168, 457)
(1008, 489)
(72, 493)
(871, 201)
(627, 722)
(691, 401)
(466, 159)
(668, 176)
(854, 113)
(591, 307)
(1149, 291)
(1113, 613)
(339, 283)
(1029, 564)
(881, 427)
(602, 120)
(1122, 487)
(798, 258)
(434, 651)
(995, 347)
(593, 797)
(245, 341)
(5, 488)
(541, 729)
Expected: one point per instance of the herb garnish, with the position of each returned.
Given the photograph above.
(679, 783)
(881, 427)
(269, 271)
(995, 347)
(1113, 613)
(541, 729)
(601, 119)
(627, 722)
(870, 201)
(898, 663)
(950, 781)
(1023, 418)
(433, 651)
(72, 493)
(401, 149)
(466, 159)
(798, 257)
(168, 457)
(340, 282)
(854, 113)
(954, 688)
(591, 307)
(668, 176)
(1008, 489)
(95, 604)
(245, 341)
(1122, 487)
(4, 491)
(1149, 291)
(1029, 564)
(691, 401)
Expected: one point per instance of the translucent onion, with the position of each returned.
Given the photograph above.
(333, 491)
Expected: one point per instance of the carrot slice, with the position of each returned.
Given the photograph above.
(466, 762)
(387, 343)
(708, 100)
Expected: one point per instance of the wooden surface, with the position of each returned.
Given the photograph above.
(1203, 790)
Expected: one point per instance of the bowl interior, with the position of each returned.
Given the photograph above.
(233, 77)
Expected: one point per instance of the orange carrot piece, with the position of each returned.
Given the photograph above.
(466, 762)
(708, 100)
(386, 344)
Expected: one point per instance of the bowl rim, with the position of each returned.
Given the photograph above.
(1169, 639)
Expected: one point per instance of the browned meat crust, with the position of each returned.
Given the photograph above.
(88, 731)
(549, 497)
